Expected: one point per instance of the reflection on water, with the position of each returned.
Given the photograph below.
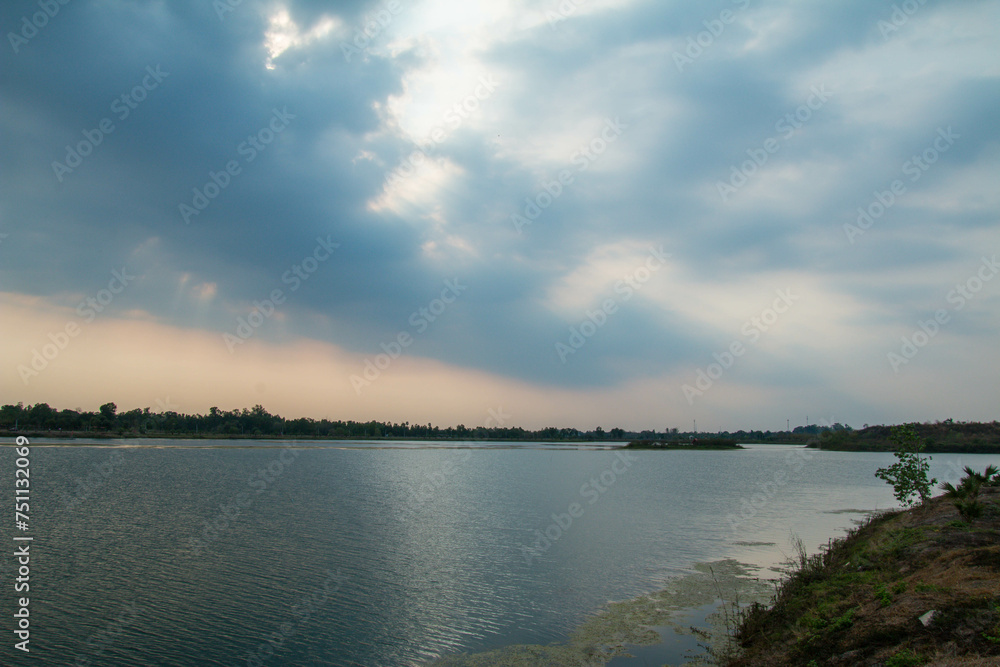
(391, 555)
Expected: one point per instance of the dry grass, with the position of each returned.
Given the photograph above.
(859, 602)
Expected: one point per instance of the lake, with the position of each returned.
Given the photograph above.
(247, 553)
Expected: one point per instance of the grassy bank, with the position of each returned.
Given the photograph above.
(905, 588)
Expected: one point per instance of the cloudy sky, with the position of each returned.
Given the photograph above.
(630, 213)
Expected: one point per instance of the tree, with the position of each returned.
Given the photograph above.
(908, 475)
(11, 415)
(40, 415)
(965, 496)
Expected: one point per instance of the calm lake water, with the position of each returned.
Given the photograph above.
(393, 554)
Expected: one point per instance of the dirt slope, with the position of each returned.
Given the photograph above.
(860, 602)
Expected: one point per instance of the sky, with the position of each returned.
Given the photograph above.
(618, 213)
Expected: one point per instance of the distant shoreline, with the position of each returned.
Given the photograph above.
(888, 448)
(634, 444)
(947, 437)
(103, 435)
(713, 444)
(707, 444)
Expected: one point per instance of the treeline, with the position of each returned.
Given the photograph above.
(943, 437)
(257, 422)
(254, 422)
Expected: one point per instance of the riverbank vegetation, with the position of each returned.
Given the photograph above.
(943, 437)
(256, 422)
(912, 587)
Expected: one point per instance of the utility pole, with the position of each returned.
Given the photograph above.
(695, 425)
(788, 425)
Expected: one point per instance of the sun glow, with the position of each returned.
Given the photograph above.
(284, 34)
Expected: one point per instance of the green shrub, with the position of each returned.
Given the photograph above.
(883, 596)
(905, 659)
(908, 476)
(843, 621)
(965, 496)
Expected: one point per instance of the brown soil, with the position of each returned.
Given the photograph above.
(860, 601)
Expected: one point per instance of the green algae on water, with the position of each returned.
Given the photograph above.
(618, 625)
